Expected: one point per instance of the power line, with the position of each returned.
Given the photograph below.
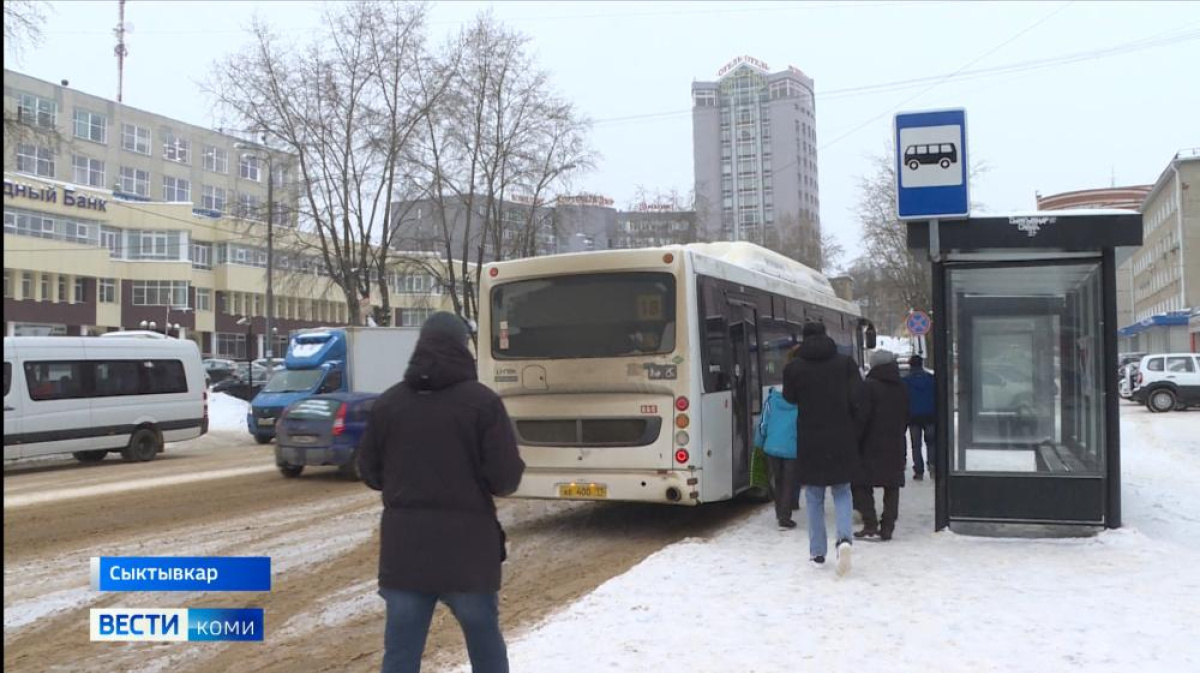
(1162, 40)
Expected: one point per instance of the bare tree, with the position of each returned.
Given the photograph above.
(346, 107)
(498, 135)
(903, 275)
(23, 21)
(796, 236)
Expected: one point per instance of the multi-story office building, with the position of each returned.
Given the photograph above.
(1166, 269)
(755, 152)
(114, 216)
(1124, 198)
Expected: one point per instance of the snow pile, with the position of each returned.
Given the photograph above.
(226, 413)
(747, 600)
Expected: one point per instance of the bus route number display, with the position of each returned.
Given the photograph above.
(649, 307)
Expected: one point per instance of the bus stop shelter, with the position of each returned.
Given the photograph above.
(1025, 353)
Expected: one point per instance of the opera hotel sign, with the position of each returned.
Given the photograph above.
(50, 195)
(750, 60)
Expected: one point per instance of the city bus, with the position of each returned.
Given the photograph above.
(638, 375)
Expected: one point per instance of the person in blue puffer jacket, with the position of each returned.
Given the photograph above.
(776, 436)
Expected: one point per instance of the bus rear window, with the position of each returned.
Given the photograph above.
(585, 316)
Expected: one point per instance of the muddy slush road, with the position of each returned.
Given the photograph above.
(220, 495)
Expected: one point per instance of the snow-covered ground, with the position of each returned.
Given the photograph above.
(747, 600)
(226, 412)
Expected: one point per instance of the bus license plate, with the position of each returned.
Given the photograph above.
(266, 421)
(592, 491)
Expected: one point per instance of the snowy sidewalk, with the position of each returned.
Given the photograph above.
(747, 600)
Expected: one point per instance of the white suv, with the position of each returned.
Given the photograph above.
(1167, 381)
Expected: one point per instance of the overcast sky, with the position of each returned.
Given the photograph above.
(1118, 112)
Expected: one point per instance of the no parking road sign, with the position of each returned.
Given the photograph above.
(918, 323)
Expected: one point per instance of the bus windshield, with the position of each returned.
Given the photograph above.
(293, 380)
(585, 316)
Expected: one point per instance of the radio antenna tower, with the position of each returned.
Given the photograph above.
(120, 50)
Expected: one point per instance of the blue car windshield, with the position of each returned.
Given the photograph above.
(294, 380)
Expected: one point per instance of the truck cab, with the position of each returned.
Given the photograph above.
(314, 365)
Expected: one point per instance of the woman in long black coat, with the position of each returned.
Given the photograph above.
(883, 415)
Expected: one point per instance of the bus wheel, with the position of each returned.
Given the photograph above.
(143, 445)
(89, 456)
(262, 439)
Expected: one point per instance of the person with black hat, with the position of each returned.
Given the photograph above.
(440, 445)
(922, 414)
(824, 386)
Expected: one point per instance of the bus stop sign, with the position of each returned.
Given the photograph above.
(918, 323)
(931, 165)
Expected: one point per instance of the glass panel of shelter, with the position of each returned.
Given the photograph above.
(1027, 370)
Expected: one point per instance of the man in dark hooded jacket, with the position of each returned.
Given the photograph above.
(883, 417)
(823, 384)
(440, 445)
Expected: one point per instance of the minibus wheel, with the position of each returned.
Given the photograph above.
(143, 445)
(90, 456)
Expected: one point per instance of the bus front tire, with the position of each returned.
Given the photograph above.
(262, 439)
(143, 446)
(90, 456)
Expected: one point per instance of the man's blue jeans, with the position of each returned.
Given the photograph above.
(818, 545)
(409, 614)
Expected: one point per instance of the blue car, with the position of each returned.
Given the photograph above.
(322, 430)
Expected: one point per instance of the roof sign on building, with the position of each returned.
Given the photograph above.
(749, 60)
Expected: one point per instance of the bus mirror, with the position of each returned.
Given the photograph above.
(870, 337)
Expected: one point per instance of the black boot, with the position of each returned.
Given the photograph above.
(885, 532)
(868, 531)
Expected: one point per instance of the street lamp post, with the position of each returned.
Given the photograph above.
(245, 320)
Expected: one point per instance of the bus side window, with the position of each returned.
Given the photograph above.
(716, 335)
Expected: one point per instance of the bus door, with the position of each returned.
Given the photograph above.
(743, 342)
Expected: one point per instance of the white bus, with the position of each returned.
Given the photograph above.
(637, 375)
(128, 392)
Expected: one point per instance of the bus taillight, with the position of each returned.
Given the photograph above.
(681, 421)
(682, 456)
(681, 403)
(681, 437)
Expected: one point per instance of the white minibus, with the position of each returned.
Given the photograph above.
(129, 392)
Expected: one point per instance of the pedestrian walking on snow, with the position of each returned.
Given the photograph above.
(883, 418)
(776, 437)
(823, 384)
(922, 422)
(439, 445)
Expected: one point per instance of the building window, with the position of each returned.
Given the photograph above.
(414, 317)
(85, 171)
(26, 285)
(231, 345)
(202, 255)
(111, 238)
(160, 292)
(106, 290)
(176, 189)
(134, 181)
(176, 148)
(80, 290)
(248, 167)
(91, 126)
(37, 111)
(35, 160)
(213, 198)
(45, 287)
(203, 299)
(135, 138)
(216, 159)
(249, 207)
(158, 245)
(8, 289)
(279, 175)
(62, 288)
